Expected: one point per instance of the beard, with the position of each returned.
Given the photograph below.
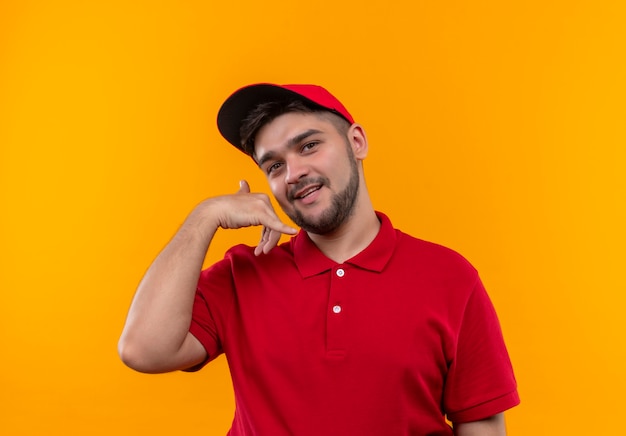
(340, 209)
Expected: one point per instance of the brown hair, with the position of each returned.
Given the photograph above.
(267, 112)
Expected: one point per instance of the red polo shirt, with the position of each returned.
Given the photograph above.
(388, 343)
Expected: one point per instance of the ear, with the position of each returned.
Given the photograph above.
(358, 141)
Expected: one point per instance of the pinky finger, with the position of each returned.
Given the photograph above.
(264, 238)
(272, 240)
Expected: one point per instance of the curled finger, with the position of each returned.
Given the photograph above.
(262, 242)
(272, 240)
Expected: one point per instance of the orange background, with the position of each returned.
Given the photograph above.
(496, 128)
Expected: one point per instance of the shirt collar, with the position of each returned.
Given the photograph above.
(311, 261)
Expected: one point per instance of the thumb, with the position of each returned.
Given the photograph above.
(244, 188)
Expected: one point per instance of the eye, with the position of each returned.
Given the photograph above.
(309, 146)
(273, 167)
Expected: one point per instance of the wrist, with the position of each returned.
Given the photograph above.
(202, 222)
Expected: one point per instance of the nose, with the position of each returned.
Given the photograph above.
(295, 170)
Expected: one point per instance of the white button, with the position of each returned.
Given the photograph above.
(336, 309)
(340, 272)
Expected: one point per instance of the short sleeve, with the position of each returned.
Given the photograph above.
(480, 381)
(211, 304)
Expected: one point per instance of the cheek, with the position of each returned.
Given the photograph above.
(278, 191)
(342, 170)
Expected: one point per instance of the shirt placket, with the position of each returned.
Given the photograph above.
(336, 313)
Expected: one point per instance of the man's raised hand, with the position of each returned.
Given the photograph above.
(245, 209)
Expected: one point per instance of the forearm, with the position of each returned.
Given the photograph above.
(156, 336)
(160, 314)
(493, 426)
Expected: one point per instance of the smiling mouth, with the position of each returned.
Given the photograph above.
(309, 192)
(305, 192)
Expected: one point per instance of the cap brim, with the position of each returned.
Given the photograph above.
(237, 107)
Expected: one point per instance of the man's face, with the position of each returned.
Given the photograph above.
(311, 169)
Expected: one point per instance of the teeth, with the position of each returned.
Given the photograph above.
(310, 191)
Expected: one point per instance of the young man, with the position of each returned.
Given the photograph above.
(350, 328)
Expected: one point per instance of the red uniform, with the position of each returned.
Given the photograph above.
(387, 343)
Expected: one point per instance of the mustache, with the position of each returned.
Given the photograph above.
(303, 183)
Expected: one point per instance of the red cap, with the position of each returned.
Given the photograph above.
(237, 107)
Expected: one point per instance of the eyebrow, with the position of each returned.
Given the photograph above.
(291, 142)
